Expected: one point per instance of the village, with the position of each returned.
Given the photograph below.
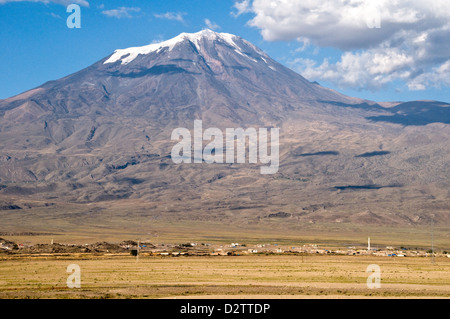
(136, 248)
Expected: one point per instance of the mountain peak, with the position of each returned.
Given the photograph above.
(129, 54)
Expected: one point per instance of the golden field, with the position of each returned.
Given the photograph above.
(252, 276)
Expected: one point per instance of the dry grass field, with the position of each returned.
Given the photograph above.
(254, 276)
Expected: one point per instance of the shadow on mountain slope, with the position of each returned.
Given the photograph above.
(417, 113)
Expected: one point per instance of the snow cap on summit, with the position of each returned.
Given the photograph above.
(129, 54)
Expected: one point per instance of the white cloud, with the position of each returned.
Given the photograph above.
(345, 23)
(211, 25)
(381, 41)
(439, 76)
(121, 12)
(241, 7)
(56, 16)
(63, 2)
(177, 16)
(370, 69)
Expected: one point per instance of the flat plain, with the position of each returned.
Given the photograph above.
(253, 276)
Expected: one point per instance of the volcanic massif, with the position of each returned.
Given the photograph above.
(101, 137)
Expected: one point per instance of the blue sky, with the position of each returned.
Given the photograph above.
(394, 52)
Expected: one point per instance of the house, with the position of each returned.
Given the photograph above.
(233, 253)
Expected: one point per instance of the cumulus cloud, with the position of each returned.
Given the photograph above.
(381, 41)
(63, 2)
(177, 16)
(439, 76)
(370, 69)
(121, 12)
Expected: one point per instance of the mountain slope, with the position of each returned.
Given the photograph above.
(104, 132)
(196, 74)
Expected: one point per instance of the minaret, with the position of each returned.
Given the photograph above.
(368, 244)
(137, 253)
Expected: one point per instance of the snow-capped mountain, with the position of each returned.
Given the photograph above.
(104, 133)
(125, 56)
(214, 76)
